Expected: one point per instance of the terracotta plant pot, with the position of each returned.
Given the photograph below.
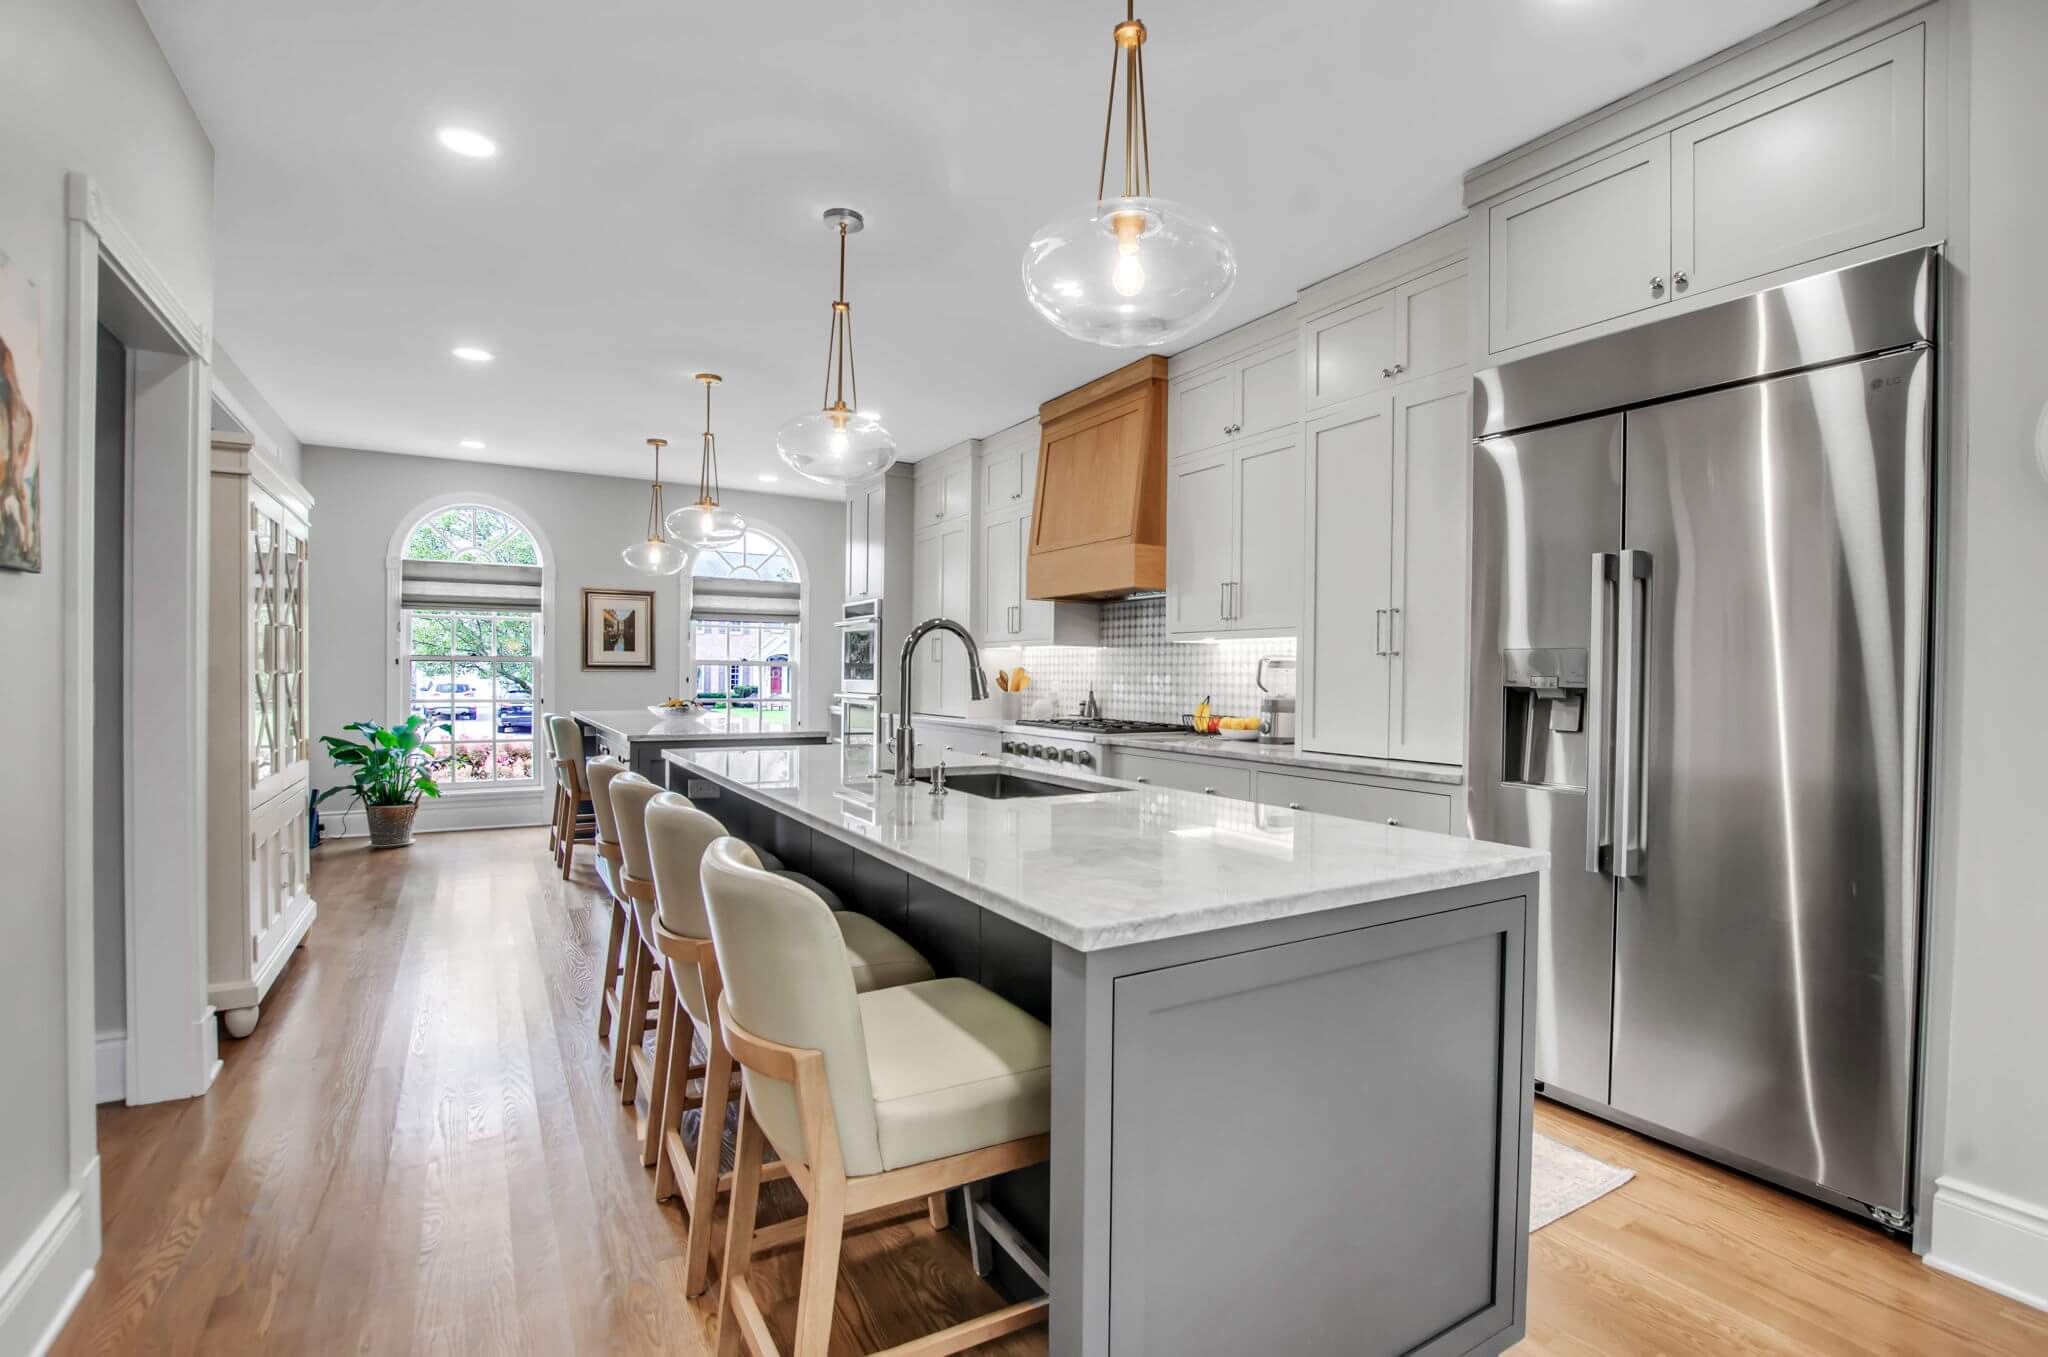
(391, 826)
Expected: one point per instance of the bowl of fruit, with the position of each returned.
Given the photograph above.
(1229, 727)
(674, 706)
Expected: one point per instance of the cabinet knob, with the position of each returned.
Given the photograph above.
(1397, 369)
(1294, 805)
(1393, 819)
(1144, 779)
(1657, 285)
(1679, 280)
(1208, 791)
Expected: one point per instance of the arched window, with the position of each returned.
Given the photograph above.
(746, 621)
(469, 641)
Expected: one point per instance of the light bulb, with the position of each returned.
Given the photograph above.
(1128, 277)
(838, 443)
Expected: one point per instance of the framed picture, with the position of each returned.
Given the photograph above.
(618, 629)
(21, 387)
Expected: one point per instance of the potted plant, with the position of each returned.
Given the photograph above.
(393, 768)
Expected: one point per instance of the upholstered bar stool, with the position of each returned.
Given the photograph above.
(871, 1100)
(640, 967)
(678, 834)
(598, 773)
(547, 735)
(575, 819)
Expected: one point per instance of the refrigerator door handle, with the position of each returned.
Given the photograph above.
(1631, 791)
(1599, 727)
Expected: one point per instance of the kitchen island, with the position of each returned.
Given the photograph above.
(1291, 1052)
(637, 736)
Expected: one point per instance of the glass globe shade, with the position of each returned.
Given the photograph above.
(1129, 273)
(655, 557)
(704, 524)
(836, 447)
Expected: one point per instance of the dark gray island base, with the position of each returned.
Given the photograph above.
(1302, 1133)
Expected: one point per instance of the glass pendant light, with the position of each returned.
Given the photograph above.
(704, 524)
(1131, 271)
(838, 443)
(657, 555)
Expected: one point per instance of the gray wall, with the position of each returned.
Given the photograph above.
(270, 426)
(82, 87)
(360, 499)
(1989, 874)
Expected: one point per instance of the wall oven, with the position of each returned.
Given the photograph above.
(860, 718)
(860, 649)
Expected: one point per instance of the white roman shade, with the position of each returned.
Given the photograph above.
(467, 587)
(716, 600)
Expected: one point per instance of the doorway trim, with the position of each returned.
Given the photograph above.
(172, 1046)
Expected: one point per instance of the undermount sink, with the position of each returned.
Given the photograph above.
(999, 784)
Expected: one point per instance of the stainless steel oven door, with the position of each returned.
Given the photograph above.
(860, 718)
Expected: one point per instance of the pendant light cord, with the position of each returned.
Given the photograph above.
(707, 466)
(839, 366)
(1129, 52)
(655, 531)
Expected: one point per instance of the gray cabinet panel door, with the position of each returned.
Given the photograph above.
(1360, 1095)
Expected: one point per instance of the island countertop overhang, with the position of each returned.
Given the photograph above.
(1124, 865)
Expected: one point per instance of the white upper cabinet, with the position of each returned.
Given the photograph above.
(1586, 247)
(1427, 615)
(1009, 468)
(1265, 594)
(865, 530)
(945, 489)
(1348, 352)
(1819, 164)
(1430, 324)
(1349, 473)
(942, 586)
(1003, 544)
(1253, 393)
(1786, 156)
(1199, 538)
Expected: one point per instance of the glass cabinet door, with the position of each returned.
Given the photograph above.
(264, 734)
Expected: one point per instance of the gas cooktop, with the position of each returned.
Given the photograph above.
(1097, 725)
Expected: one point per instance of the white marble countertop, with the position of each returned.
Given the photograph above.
(628, 724)
(1123, 865)
(1244, 751)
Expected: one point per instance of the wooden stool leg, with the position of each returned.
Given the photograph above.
(568, 834)
(611, 971)
(935, 1210)
(674, 1100)
(632, 1013)
(704, 1178)
(658, 1081)
(818, 1286)
(739, 1231)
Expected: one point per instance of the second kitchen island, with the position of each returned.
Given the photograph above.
(1291, 1052)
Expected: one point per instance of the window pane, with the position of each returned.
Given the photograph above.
(427, 634)
(515, 683)
(711, 679)
(515, 633)
(711, 641)
(746, 642)
(471, 762)
(515, 761)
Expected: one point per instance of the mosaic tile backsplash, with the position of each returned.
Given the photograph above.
(1140, 675)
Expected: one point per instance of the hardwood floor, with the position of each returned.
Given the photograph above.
(421, 1149)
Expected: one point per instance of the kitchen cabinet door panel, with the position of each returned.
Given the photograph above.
(1199, 542)
(1819, 164)
(1431, 315)
(1201, 410)
(1003, 543)
(1009, 469)
(956, 600)
(1266, 593)
(1355, 800)
(1268, 391)
(1588, 247)
(1349, 352)
(1349, 462)
(1426, 632)
(1212, 776)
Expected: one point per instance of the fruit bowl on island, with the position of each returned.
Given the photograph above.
(675, 706)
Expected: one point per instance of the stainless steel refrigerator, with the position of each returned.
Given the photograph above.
(1700, 635)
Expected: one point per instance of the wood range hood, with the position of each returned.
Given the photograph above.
(1098, 527)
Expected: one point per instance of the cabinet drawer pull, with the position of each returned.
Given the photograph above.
(1657, 285)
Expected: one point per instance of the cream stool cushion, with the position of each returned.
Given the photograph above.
(600, 772)
(954, 1068)
(878, 957)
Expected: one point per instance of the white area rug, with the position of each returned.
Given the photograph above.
(1563, 1179)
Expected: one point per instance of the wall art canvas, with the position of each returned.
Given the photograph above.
(618, 629)
(21, 386)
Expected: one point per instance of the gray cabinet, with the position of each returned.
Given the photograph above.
(955, 742)
(866, 533)
(1245, 395)
(941, 586)
(1008, 616)
(1233, 538)
(1009, 468)
(1215, 777)
(1354, 800)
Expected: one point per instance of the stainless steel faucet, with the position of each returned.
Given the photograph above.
(906, 739)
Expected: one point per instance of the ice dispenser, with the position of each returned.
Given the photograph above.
(1543, 709)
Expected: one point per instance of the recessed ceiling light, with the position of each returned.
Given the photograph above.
(473, 444)
(462, 141)
(472, 355)
(770, 476)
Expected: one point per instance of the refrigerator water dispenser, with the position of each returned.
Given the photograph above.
(1543, 705)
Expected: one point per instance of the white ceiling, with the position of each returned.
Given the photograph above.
(654, 206)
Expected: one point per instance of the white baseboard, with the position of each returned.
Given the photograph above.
(110, 1068)
(1995, 1240)
(42, 1283)
(486, 810)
